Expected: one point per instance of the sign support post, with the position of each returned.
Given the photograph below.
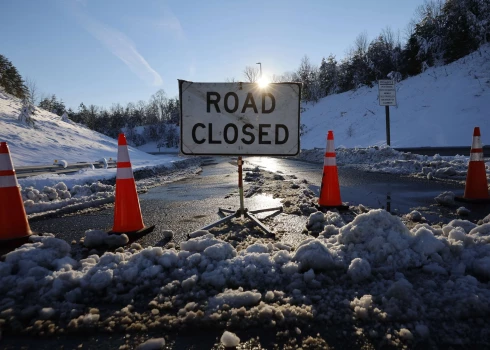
(387, 98)
(224, 119)
(387, 110)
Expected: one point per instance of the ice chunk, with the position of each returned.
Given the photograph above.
(152, 344)
(359, 269)
(314, 255)
(229, 340)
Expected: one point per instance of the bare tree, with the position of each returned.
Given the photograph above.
(33, 91)
(361, 44)
(252, 74)
(231, 80)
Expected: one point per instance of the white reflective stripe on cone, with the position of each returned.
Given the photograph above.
(122, 154)
(5, 162)
(329, 161)
(8, 181)
(476, 157)
(330, 146)
(476, 142)
(124, 173)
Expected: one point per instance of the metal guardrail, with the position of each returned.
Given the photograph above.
(33, 170)
(443, 151)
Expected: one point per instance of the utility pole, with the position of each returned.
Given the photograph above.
(260, 65)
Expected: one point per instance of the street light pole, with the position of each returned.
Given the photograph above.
(260, 65)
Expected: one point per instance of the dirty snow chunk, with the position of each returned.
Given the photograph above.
(359, 269)
(334, 218)
(257, 248)
(482, 231)
(316, 221)
(425, 243)
(152, 344)
(405, 334)
(229, 340)
(61, 186)
(198, 233)
(43, 252)
(96, 238)
(462, 211)
(200, 243)
(466, 225)
(46, 313)
(220, 251)
(362, 306)
(190, 282)
(415, 216)
(314, 255)
(445, 198)
(373, 224)
(235, 298)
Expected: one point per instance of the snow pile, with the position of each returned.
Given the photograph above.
(388, 160)
(59, 196)
(375, 273)
(97, 238)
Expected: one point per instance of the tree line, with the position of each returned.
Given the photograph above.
(440, 33)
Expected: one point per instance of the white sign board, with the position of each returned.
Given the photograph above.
(239, 118)
(387, 92)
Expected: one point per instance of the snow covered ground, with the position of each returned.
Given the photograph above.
(373, 277)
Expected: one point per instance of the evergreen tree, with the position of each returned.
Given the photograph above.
(27, 111)
(328, 76)
(11, 80)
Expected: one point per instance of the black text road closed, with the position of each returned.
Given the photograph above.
(239, 118)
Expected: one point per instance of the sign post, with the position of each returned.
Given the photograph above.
(239, 119)
(387, 98)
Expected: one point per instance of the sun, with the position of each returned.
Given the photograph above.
(263, 82)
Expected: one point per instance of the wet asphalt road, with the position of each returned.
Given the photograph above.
(187, 205)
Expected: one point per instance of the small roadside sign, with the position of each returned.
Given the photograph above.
(387, 92)
(239, 118)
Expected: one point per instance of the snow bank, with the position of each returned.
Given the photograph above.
(405, 282)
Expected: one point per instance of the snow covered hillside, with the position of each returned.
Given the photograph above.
(439, 107)
(51, 138)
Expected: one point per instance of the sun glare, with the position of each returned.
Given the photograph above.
(263, 82)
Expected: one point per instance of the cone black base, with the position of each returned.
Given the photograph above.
(134, 235)
(11, 244)
(338, 207)
(469, 200)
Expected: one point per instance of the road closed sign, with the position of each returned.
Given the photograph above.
(239, 118)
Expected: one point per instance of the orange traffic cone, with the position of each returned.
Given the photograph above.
(330, 189)
(476, 180)
(14, 227)
(127, 212)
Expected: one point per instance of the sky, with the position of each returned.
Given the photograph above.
(105, 52)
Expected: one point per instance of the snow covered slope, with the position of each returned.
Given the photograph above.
(439, 107)
(51, 138)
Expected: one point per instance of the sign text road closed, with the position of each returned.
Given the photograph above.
(239, 118)
(387, 93)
